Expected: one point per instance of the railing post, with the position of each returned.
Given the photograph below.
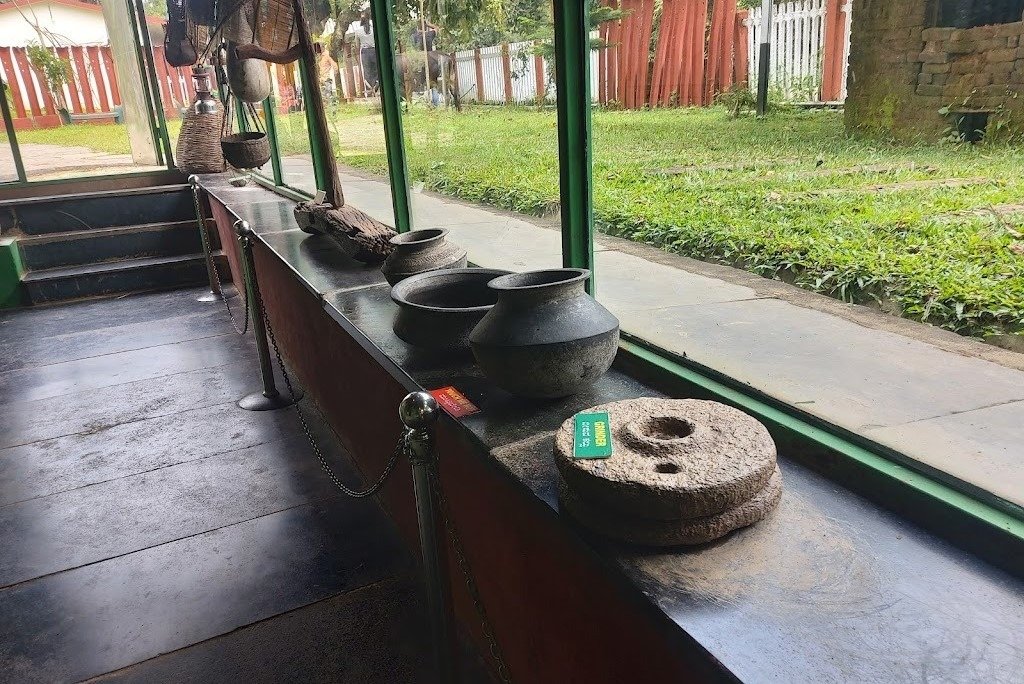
(419, 414)
(269, 399)
(764, 56)
(398, 167)
(478, 64)
(214, 294)
(506, 74)
(572, 86)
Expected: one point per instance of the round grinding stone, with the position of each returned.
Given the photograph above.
(671, 532)
(672, 459)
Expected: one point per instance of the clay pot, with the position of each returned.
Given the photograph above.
(438, 310)
(419, 251)
(546, 337)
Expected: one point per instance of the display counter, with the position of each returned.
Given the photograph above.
(829, 587)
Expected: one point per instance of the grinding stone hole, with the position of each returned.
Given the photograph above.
(666, 428)
(667, 468)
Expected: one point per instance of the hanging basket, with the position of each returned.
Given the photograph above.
(276, 30)
(202, 12)
(246, 150)
(178, 49)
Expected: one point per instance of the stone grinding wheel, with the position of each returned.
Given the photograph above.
(671, 532)
(673, 459)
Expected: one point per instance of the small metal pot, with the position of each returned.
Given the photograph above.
(419, 251)
(438, 309)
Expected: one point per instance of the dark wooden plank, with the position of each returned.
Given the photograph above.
(92, 620)
(96, 409)
(24, 351)
(65, 463)
(69, 377)
(89, 315)
(88, 524)
(373, 635)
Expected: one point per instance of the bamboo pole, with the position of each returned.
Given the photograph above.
(315, 104)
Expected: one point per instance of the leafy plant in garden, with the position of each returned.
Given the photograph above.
(55, 71)
(737, 99)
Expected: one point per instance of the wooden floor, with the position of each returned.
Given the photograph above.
(152, 531)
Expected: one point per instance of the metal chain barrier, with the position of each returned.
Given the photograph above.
(467, 574)
(400, 449)
(418, 459)
(212, 268)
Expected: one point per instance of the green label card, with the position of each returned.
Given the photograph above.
(593, 436)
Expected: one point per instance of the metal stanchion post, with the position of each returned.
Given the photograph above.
(764, 56)
(269, 399)
(214, 293)
(419, 413)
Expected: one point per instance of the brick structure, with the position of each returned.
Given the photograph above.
(905, 66)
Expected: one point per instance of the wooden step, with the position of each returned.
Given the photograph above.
(114, 278)
(97, 210)
(109, 244)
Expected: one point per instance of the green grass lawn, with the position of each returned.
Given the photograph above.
(788, 196)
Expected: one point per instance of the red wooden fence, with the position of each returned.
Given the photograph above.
(695, 57)
(92, 85)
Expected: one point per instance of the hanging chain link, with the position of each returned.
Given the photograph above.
(208, 251)
(467, 574)
(400, 448)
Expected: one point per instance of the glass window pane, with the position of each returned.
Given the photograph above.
(479, 121)
(821, 256)
(350, 81)
(292, 128)
(8, 170)
(69, 73)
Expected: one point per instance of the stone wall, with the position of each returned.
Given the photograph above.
(903, 71)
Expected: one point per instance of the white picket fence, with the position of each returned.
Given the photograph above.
(797, 39)
(523, 74)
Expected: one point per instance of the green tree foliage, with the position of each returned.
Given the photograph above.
(155, 8)
(54, 70)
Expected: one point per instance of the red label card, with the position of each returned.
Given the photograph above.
(454, 402)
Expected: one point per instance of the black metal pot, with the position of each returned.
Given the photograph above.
(419, 251)
(546, 337)
(438, 309)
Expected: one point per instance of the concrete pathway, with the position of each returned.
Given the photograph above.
(46, 162)
(950, 402)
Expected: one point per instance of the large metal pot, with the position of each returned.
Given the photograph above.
(546, 337)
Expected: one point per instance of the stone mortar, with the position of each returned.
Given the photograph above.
(672, 459)
(671, 532)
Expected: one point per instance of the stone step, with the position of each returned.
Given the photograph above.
(109, 244)
(114, 278)
(97, 210)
